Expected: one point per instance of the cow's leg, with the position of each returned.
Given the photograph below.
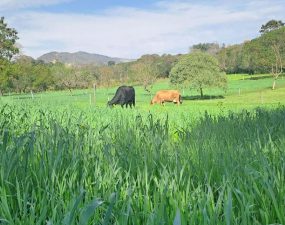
(178, 102)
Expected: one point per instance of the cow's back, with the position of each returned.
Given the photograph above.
(167, 94)
(128, 93)
(125, 95)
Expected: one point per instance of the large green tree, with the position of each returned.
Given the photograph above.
(274, 52)
(8, 37)
(198, 70)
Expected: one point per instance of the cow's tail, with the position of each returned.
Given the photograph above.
(180, 99)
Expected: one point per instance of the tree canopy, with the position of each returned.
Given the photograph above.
(8, 37)
(270, 26)
(210, 48)
(198, 70)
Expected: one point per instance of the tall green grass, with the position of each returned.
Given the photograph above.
(103, 166)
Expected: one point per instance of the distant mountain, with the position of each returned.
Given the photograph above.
(79, 58)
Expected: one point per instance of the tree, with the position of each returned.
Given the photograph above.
(106, 76)
(8, 37)
(165, 64)
(6, 83)
(267, 53)
(111, 63)
(43, 77)
(146, 74)
(63, 76)
(211, 48)
(198, 70)
(23, 76)
(230, 59)
(121, 72)
(274, 43)
(270, 26)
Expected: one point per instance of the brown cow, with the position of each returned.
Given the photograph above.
(166, 96)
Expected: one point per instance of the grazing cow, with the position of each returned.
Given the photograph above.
(125, 95)
(166, 96)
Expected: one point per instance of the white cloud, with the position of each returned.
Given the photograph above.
(131, 32)
(17, 4)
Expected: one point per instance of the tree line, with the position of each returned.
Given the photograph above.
(25, 74)
(264, 54)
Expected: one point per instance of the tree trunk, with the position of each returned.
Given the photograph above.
(274, 83)
(201, 92)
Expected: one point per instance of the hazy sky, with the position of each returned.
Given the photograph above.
(131, 28)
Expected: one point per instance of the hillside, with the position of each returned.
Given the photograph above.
(79, 58)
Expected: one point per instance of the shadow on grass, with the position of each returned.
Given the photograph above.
(262, 77)
(258, 78)
(205, 97)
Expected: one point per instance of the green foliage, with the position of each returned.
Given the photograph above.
(270, 26)
(6, 82)
(255, 56)
(71, 77)
(233, 59)
(210, 48)
(268, 52)
(8, 37)
(63, 165)
(160, 64)
(261, 51)
(198, 70)
(111, 63)
(145, 70)
(26, 74)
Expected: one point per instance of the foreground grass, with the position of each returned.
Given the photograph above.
(102, 166)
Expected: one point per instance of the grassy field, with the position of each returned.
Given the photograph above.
(68, 159)
(241, 89)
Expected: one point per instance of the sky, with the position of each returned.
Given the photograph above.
(132, 28)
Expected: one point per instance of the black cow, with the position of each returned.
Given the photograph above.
(125, 95)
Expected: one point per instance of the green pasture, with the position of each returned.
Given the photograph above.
(66, 158)
(244, 91)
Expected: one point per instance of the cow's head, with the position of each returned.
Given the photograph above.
(153, 101)
(110, 104)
